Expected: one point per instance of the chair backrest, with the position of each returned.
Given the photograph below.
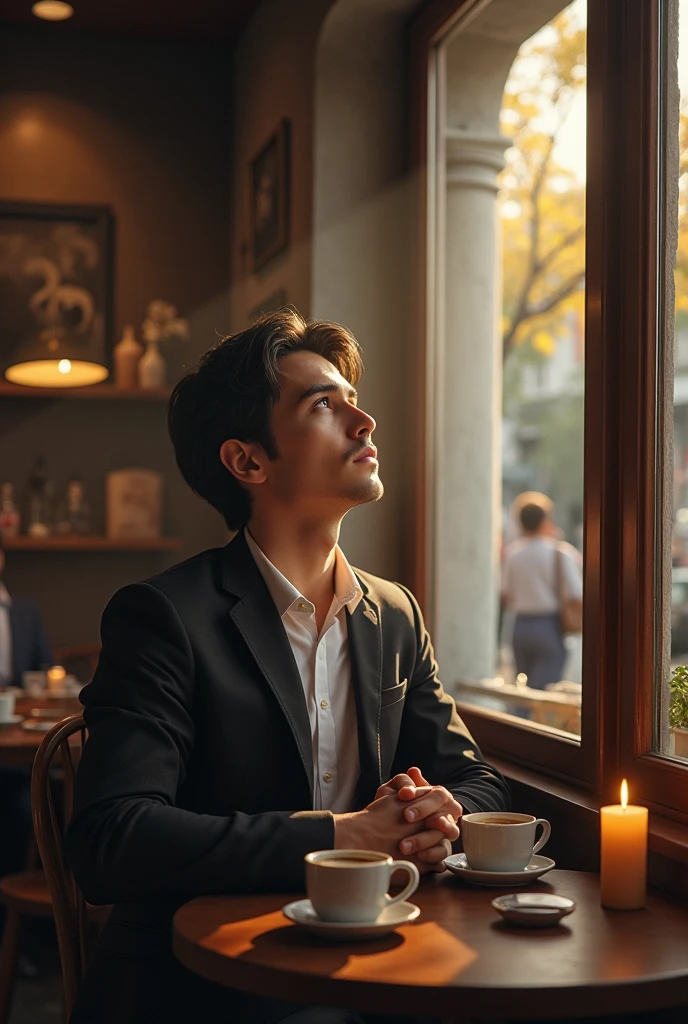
(61, 746)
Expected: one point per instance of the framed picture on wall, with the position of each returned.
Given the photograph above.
(269, 209)
(56, 267)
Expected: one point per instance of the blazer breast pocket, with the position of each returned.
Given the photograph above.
(393, 694)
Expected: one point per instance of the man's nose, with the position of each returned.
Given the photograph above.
(364, 424)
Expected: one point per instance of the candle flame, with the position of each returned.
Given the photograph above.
(624, 794)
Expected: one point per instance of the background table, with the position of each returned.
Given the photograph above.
(459, 961)
(19, 746)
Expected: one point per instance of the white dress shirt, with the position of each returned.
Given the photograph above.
(5, 637)
(325, 670)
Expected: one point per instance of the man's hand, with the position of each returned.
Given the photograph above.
(436, 808)
(379, 826)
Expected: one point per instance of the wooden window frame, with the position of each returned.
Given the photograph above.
(623, 428)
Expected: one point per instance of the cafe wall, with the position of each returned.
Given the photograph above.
(145, 127)
(337, 71)
(273, 77)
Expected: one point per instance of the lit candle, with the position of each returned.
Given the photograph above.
(623, 855)
(56, 675)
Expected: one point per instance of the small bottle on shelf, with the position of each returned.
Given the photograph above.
(127, 355)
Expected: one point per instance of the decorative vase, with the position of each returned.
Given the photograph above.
(152, 367)
(127, 354)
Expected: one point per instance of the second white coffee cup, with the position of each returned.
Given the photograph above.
(352, 885)
(501, 840)
(6, 706)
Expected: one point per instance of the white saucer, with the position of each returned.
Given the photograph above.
(39, 724)
(458, 864)
(62, 693)
(301, 912)
(533, 909)
(11, 720)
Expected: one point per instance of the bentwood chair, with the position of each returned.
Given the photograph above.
(75, 920)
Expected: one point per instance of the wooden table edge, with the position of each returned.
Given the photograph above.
(657, 992)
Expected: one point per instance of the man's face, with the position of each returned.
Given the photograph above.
(326, 462)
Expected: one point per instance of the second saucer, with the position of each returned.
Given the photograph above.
(538, 865)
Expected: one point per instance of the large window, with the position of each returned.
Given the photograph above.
(541, 205)
(510, 160)
(557, 349)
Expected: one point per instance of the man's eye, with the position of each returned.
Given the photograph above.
(321, 400)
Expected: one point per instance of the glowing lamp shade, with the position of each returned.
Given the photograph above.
(52, 362)
(52, 10)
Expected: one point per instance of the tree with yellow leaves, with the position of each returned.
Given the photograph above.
(542, 202)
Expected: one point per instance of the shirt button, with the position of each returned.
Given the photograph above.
(324, 704)
(303, 607)
(327, 777)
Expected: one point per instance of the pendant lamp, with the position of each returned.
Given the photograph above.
(51, 359)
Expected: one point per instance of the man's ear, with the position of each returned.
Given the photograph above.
(244, 460)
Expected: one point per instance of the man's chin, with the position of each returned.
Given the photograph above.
(372, 490)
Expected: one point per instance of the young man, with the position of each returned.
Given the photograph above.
(264, 699)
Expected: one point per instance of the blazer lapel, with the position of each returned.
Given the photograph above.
(365, 653)
(258, 621)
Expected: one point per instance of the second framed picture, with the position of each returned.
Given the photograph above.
(269, 199)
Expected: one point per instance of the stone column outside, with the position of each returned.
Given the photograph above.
(470, 389)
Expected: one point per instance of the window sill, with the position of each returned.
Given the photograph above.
(576, 813)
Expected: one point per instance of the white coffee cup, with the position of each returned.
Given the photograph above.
(6, 706)
(351, 885)
(501, 840)
(34, 683)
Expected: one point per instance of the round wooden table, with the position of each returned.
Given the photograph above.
(19, 746)
(459, 961)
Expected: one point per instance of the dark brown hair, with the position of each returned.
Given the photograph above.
(231, 392)
(532, 517)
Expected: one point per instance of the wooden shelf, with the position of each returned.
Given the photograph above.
(91, 543)
(98, 391)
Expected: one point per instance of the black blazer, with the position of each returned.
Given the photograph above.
(30, 647)
(197, 776)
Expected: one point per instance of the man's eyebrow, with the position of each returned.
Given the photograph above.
(323, 389)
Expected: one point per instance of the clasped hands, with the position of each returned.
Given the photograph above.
(422, 829)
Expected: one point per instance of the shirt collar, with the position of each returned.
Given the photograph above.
(347, 589)
(5, 599)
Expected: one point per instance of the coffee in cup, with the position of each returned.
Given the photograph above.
(501, 840)
(351, 885)
(6, 706)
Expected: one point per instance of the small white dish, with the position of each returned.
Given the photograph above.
(11, 720)
(301, 912)
(538, 865)
(62, 693)
(533, 909)
(38, 724)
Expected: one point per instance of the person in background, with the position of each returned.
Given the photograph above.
(24, 645)
(530, 589)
